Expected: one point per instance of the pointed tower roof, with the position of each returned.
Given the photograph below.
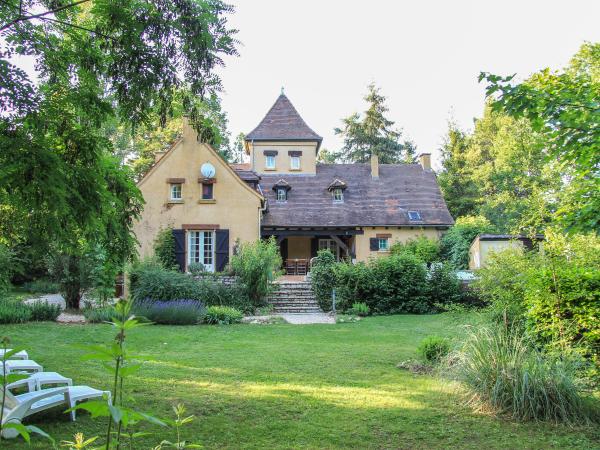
(283, 123)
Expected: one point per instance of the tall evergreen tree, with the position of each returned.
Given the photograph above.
(373, 133)
(455, 180)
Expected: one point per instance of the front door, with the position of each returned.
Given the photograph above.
(201, 249)
(331, 245)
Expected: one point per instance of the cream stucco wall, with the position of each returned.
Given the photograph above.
(299, 247)
(236, 206)
(362, 243)
(308, 160)
(479, 252)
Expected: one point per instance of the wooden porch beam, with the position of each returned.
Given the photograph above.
(339, 242)
(328, 233)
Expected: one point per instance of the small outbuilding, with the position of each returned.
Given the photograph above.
(484, 244)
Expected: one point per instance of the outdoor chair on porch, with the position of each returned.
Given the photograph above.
(290, 267)
(301, 267)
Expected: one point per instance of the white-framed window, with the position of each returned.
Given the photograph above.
(176, 191)
(281, 194)
(331, 245)
(414, 215)
(382, 243)
(338, 195)
(294, 162)
(270, 162)
(201, 249)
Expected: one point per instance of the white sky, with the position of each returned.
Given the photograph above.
(425, 55)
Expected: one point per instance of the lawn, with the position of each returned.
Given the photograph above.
(289, 386)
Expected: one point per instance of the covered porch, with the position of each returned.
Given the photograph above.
(299, 245)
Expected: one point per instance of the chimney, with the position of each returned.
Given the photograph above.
(157, 156)
(374, 166)
(188, 131)
(425, 160)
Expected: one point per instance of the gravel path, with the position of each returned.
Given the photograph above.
(303, 319)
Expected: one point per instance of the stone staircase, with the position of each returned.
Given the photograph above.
(294, 297)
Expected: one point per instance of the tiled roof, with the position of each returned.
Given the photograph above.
(283, 122)
(245, 172)
(367, 202)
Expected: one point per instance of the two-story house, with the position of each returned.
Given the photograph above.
(355, 210)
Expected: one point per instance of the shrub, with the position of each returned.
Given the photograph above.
(507, 375)
(14, 311)
(360, 309)
(150, 281)
(433, 348)
(164, 248)
(554, 294)
(41, 286)
(322, 277)
(222, 315)
(195, 268)
(173, 312)
(502, 284)
(425, 249)
(443, 287)
(257, 264)
(44, 311)
(99, 315)
(6, 267)
(393, 284)
(73, 273)
(455, 244)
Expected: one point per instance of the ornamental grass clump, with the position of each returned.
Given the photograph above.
(43, 311)
(172, 312)
(14, 311)
(506, 375)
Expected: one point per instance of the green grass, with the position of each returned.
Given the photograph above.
(289, 386)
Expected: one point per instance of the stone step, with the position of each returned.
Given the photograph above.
(299, 304)
(297, 310)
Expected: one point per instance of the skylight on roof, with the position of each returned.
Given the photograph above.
(414, 216)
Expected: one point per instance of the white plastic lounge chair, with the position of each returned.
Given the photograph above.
(19, 355)
(17, 407)
(37, 380)
(20, 365)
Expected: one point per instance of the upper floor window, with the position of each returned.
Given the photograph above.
(294, 162)
(338, 195)
(207, 191)
(383, 244)
(281, 194)
(176, 191)
(414, 215)
(269, 162)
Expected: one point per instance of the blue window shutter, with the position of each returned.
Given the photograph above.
(179, 237)
(221, 249)
(373, 244)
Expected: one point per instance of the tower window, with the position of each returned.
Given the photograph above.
(270, 162)
(294, 162)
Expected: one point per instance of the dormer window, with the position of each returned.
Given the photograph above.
(269, 162)
(294, 163)
(414, 216)
(281, 189)
(338, 195)
(281, 194)
(337, 187)
(176, 191)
